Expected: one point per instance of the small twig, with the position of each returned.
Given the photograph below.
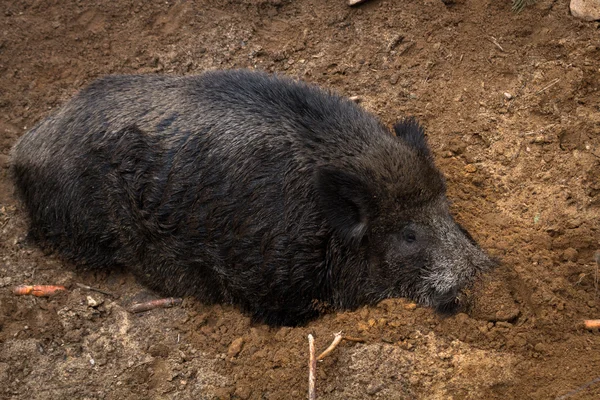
(336, 340)
(312, 364)
(554, 82)
(93, 289)
(596, 281)
(312, 368)
(38, 290)
(591, 323)
(353, 339)
(355, 2)
(581, 277)
(519, 5)
(597, 259)
(396, 40)
(494, 41)
(579, 389)
(150, 305)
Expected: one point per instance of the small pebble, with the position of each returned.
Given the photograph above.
(91, 302)
(470, 168)
(243, 392)
(540, 347)
(587, 10)
(570, 254)
(235, 347)
(374, 388)
(507, 314)
(355, 2)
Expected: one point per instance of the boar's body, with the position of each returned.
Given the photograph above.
(246, 188)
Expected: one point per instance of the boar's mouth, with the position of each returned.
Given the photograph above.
(447, 303)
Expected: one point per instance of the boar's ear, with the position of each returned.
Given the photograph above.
(347, 203)
(412, 134)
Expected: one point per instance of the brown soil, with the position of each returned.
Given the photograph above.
(523, 171)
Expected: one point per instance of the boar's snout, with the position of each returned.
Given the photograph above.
(459, 260)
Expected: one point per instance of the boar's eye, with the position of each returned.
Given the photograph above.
(409, 235)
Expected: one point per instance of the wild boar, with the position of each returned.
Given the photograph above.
(246, 188)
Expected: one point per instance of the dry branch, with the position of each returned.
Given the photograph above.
(354, 339)
(312, 368)
(355, 2)
(38, 290)
(93, 289)
(591, 323)
(554, 82)
(495, 42)
(336, 340)
(150, 305)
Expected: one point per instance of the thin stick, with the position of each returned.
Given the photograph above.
(591, 323)
(38, 290)
(312, 367)
(554, 82)
(93, 289)
(354, 339)
(355, 2)
(336, 340)
(579, 389)
(596, 279)
(160, 303)
(494, 41)
(597, 259)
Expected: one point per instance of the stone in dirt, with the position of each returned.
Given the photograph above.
(588, 10)
(355, 2)
(235, 347)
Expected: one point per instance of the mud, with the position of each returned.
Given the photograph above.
(510, 103)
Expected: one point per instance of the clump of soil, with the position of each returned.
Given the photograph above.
(510, 105)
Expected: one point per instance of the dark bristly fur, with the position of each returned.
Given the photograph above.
(248, 188)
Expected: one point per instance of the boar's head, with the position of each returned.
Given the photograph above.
(389, 211)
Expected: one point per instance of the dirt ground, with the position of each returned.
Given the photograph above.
(511, 105)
